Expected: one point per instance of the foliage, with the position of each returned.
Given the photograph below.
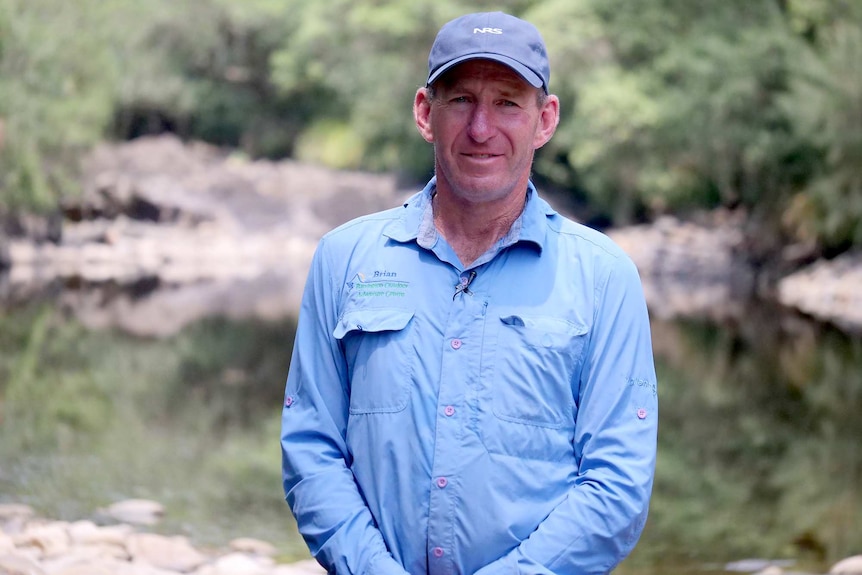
(668, 105)
(56, 93)
(827, 106)
(755, 448)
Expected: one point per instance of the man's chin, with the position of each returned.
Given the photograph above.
(482, 190)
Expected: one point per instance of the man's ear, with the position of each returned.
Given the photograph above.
(549, 118)
(422, 114)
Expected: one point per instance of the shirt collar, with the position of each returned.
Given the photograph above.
(417, 221)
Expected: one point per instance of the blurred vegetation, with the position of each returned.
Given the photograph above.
(758, 455)
(668, 105)
(88, 418)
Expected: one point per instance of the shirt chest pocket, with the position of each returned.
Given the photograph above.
(535, 360)
(379, 353)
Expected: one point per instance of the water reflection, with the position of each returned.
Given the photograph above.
(759, 443)
(759, 436)
(91, 417)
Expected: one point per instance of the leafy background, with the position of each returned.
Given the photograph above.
(669, 106)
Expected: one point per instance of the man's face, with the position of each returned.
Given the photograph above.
(485, 122)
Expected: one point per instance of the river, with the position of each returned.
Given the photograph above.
(759, 439)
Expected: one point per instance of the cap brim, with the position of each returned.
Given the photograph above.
(531, 77)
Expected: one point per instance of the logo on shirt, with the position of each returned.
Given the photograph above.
(643, 384)
(379, 283)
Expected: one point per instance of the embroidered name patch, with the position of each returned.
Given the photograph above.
(378, 284)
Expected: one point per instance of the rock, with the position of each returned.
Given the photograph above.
(14, 564)
(171, 553)
(88, 533)
(761, 566)
(190, 216)
(6, 543)
(9, 511)
(689, 269)
(84, 569)
(78, 564)
(238, 564)
(126, 568)
(253, 547)
(828, 290)
(51, 539)
(137, 511)
(307, 567)
(850, 566)
(35, 546)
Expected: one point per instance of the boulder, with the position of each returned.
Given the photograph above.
(50, 539)
(136, 511)
(849, 566)
(828, 290)
(307, 567)
(9, 511)
(253, 547)
(238, 564)
(170, 553)
(17, 564)
(88, 533)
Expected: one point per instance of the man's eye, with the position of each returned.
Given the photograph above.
(460, 99)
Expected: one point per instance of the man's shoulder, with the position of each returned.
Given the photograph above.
(367, 226)
(574, 231)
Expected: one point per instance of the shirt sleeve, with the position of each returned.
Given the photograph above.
(319, 486)
(599, 522)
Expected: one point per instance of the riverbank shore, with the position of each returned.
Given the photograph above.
(32, 545)
(158, 212)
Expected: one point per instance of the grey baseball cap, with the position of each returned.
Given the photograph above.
(491, 36)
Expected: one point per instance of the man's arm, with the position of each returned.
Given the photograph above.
(318, 483)
(601, 519)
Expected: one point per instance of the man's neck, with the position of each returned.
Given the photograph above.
(472, 229)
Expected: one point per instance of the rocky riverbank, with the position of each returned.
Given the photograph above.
(704, 270)
(31, 545)
(207, 229)
(166, 234)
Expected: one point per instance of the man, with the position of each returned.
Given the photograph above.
(472, 386)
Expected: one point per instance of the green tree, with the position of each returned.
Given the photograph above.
(668, 105)
(362, 62)
(826, 104)
(207, 76)
(675, 105)
(57, 84)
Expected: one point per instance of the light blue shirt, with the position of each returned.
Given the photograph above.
(504, 426)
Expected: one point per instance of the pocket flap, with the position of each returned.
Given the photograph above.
(545, 324)
(372, 320)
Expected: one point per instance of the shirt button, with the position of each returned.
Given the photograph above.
(442, 482)
(288, 401)
(456, 343)
(437, 551)
(449, 411)
(642, 413)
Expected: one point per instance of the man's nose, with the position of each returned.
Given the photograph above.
(481, 123)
